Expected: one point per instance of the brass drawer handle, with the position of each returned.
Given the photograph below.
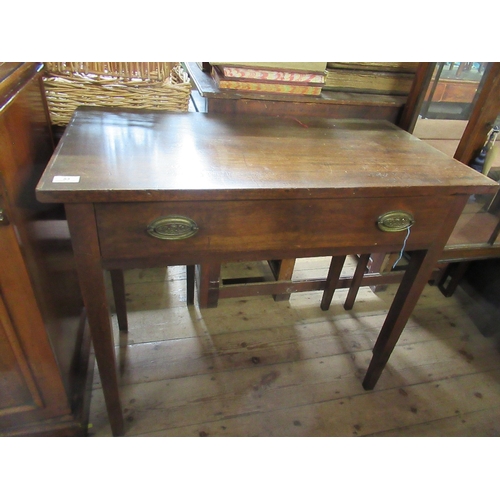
(394, 221)
(172, 227)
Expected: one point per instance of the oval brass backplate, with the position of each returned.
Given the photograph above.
(173, 227)
(394, 221)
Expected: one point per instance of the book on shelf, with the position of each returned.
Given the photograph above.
(307, 67)
(265, 85)
(272, 74)
(398, 67)
(381, 82)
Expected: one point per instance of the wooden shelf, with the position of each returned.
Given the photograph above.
(328, 104)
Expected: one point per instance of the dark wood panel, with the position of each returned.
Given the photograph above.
(24, 325)
(294, 109)
(16, 384)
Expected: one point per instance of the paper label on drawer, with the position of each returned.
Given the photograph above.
(66, 178)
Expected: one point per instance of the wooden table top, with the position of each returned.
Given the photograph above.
(115, 155)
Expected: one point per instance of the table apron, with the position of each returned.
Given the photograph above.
(266, 227)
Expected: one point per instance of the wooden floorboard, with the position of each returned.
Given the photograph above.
(255, 367)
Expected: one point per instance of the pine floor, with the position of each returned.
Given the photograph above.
(255, 367)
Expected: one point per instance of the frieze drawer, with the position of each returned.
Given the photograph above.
(130, 230)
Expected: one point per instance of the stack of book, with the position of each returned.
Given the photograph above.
(275, 78)
(392, 78)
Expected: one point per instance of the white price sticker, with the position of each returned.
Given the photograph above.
(66, 178)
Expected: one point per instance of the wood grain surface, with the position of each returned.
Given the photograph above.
(118, 155)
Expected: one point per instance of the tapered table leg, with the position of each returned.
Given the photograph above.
(422, 263)
(208, 275)
(118, 285)
(414, 281)
(332, 281)
(285, 269)
(356, 281)
(190, 279)
(85, 242)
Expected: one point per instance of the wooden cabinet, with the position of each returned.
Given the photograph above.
(44, 348)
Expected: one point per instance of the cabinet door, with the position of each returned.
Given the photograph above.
(30, 389)
(43, 349)
(18, 390)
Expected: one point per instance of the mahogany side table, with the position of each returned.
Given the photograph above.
(151, 189)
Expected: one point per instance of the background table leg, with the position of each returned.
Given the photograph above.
(118, 285)
(208, 282)
(190, 280)
(356, 281)
(332, 281)
(283, 271)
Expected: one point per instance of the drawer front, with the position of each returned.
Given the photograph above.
(264, 225)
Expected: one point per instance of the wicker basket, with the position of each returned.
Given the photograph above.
(159, 86)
